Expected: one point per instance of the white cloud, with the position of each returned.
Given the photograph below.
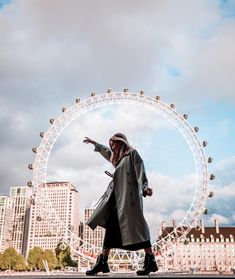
(225, 172)
(222, 220)
(67, 50)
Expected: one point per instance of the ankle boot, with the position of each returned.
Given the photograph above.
(101, 265)
(150, 265)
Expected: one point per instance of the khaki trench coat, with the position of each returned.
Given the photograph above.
(129, 180)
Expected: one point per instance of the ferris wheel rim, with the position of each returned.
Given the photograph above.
(81, 107)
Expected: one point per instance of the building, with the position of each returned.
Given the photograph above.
(54, 211)
(20, 202)
(92, 240)
(205, 249)
(6, 224)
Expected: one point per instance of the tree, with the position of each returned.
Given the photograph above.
(20, 263)
(51, 259)
(64, 256)
(11, 260)
(35, 258)
(1, 261)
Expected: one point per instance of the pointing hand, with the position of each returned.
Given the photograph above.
(88, 140)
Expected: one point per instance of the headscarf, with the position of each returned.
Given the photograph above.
(125, 148)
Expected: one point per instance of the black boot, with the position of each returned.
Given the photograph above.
(101, 265)
(150, 265)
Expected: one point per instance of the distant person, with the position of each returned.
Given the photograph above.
(120, 210)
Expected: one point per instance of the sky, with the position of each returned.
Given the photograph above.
(52, 52)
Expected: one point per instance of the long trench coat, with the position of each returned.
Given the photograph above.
(129, 180)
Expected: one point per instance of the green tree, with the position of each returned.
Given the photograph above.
(1, 261)
(35, 258)
(20, 264)
(51, 259)
(11, 260)
(64, 256)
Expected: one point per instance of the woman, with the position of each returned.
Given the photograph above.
(120, 210)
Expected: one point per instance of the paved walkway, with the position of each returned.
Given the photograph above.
(60, 275)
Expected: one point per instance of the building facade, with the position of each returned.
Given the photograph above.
(205, 249)
(51, 214)
(20, 202)
(6, 223)
(92, 240)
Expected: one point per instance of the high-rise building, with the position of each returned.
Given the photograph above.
(54, 210)
(20, 201)
(6, 225)
(93, 240)
(204, 249)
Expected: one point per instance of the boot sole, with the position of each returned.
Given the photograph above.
(95, 273)
(152, 270)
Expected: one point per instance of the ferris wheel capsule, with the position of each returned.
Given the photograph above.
(34, 149)
(172, 106)
(204, 143)
(142, 92)
(211, 194)
(186, 242)
(39, 218)
(42, 134)
(30, 166)
(210, 159)
(29, 183)
(185, 116)
(63, 246)
(212, 176)
(93, 94)
(109, 90)
(52, 120)
(158, 98)
(196, 129)
(125, 90)
(78, 100)
(32, 201)
(206, 210)
(64, 109)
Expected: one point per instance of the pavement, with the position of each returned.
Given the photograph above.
(115, 275)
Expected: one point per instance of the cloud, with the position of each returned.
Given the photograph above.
(225, 172)
(222, 220)
(65, 51)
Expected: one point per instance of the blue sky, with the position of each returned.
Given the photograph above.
(51, 53)
(4, 2)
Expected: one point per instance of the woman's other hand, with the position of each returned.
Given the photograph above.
(147, 191)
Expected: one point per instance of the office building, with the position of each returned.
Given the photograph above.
(20, 202)
(6, 223)
(54, 211)
(92, 240)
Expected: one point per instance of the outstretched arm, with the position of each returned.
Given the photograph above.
(103, 150)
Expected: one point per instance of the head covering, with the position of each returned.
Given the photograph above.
(124, 149)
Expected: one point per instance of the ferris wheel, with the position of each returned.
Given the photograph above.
(155, 105)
